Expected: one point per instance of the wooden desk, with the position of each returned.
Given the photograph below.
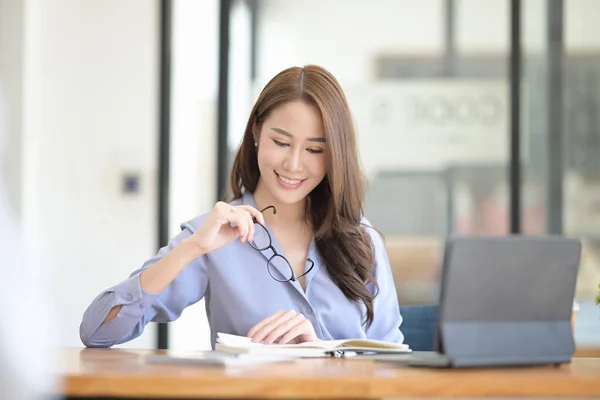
(587, 352)
(123, 373)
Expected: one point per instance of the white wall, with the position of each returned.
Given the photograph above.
(241, 97)
(193, 139)
(90, 111)
(11, 89)
(345, 35)
(483, 26)
(582, 32)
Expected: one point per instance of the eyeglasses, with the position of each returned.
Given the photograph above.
(278, 266)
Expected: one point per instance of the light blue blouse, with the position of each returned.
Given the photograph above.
(239, 293)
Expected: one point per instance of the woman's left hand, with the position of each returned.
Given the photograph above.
(283, 327)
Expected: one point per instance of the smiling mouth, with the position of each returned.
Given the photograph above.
(289, 181)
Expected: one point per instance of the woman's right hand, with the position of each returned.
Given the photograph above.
(224, 224)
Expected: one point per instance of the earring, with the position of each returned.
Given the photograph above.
(255, 144)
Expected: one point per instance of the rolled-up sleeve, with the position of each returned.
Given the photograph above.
(387, 318)
(140, 307)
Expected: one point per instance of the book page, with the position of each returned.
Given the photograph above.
(246, 342)
(374, 344)
(241, 341)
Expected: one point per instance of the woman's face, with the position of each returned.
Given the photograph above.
(292, 155)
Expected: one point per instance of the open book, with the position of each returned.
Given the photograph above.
(244, 345)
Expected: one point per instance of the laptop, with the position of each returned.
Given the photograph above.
(504, 301)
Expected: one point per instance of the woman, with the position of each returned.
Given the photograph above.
(307, 268)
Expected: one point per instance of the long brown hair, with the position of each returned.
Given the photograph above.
(335, 206)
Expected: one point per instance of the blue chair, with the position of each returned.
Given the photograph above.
(418, 326)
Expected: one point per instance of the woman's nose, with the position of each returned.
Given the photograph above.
(293, 161)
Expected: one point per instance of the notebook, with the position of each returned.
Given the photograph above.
(214, 358)
(243, 345)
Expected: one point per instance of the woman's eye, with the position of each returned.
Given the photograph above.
(315, 151)
(280, 144)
